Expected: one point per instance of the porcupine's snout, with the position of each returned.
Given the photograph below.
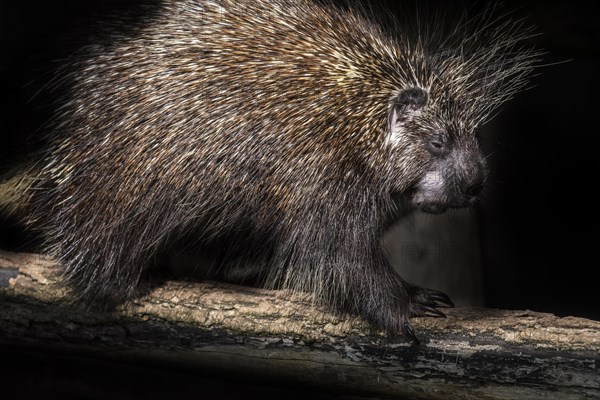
(457, 176)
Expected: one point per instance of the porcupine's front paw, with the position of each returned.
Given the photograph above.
(424, 303)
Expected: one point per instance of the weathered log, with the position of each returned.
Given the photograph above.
(274, 336)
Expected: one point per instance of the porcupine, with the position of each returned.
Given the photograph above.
(290, 132)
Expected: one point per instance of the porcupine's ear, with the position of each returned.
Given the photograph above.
(404, 107)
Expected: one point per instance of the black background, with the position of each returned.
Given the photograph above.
(540, 213)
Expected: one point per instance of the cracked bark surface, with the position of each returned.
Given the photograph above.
(274, 336)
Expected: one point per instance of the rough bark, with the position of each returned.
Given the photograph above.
(276, 336)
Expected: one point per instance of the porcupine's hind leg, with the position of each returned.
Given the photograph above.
(106, 249)
(104, 271)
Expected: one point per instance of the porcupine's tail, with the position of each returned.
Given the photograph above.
(15, 195)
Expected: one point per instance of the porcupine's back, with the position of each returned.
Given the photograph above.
(233, 116)
(221, 114)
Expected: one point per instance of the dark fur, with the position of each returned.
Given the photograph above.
(278, 141)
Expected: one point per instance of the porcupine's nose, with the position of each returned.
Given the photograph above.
(472, 177)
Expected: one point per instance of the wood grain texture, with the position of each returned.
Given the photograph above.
(272, 336)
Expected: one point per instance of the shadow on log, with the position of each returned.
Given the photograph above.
(272, 337)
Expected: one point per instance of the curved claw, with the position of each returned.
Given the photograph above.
(440, 297)
(431, 311)
(410, 334)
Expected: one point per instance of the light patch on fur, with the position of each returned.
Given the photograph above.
(397, 125)
(14, 194)
(433, 182)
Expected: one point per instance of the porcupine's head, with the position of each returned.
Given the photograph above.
(454, 83)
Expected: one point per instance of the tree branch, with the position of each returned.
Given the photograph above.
(274, 335)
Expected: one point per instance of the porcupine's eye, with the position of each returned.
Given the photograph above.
(437, 146)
